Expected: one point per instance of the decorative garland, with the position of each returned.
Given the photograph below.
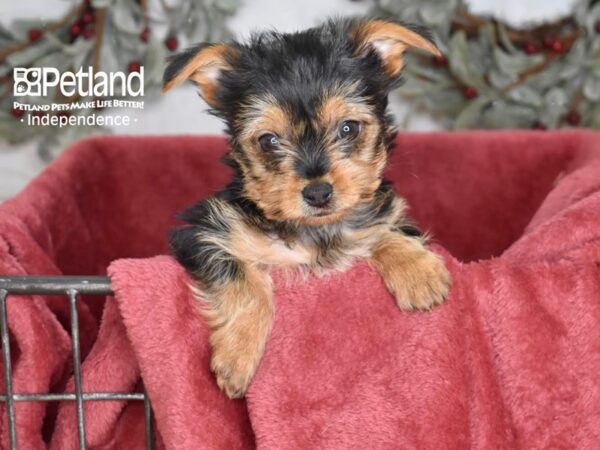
(108, 35)
(496, 76)
(492, 75)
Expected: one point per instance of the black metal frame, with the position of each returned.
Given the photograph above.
(72, 287)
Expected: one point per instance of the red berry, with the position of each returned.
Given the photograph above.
(470, 92)
(597, 27)
(558, 46)
(573, 118)
(440, 61)
(35, 34)
(88, 32)
(75, 30)
(134, 66)
(549, 42)
(145, 35)
(172, 43)
(530, 48)
(537, 125)
(17, 112)
(87, 17)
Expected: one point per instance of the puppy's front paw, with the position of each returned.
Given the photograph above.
(234, 368)
(238, 345)
(420, 282)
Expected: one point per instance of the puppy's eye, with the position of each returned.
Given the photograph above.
(268, 141)
(349, 129)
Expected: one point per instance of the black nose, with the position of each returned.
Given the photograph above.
(317, 194)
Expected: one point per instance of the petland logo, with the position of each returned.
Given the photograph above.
(36, 82)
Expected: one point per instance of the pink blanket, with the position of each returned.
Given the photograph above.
(511, 360)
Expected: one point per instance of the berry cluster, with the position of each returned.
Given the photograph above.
(551, 44)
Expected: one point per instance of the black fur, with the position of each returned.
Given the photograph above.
(296, 69)
(178, 62)
(204, 259)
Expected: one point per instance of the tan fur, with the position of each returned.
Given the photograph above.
(204, 69)
(263, 115)
(240, 312)
(414, 275)
(390, 41)
(336, 108)
(261, 249)
(240, 316)
(239, 305)
(279, 194)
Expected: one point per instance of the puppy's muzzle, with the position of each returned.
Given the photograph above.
(318, 194)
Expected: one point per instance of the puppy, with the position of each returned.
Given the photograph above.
(309, 135)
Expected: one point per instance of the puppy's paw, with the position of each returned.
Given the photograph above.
(237, 348)
(420, 283)
(233, 369)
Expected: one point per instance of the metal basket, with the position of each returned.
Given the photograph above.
(72, 287)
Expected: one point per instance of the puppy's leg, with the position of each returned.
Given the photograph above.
(416, 276)
(240, 315)
(236, 294)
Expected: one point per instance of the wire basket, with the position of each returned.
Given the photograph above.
(72, 287)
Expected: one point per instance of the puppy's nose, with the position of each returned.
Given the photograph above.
(317, 194)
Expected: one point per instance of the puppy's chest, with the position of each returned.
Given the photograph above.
(321, 249)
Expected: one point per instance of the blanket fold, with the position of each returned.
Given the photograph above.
(509, 361)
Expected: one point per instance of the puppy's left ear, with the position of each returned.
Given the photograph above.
(204, 65)
(390, 40)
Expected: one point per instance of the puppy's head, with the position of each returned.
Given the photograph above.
(306, 111)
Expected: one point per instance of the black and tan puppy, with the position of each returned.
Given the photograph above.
(310, 135)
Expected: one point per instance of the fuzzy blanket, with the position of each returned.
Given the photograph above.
(511, 360)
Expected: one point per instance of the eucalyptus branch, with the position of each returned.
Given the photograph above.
(78, 39)
(493, 75)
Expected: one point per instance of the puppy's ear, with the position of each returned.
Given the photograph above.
(390, 40)
(203, 65)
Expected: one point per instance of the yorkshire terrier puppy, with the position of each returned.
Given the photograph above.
(309, 135)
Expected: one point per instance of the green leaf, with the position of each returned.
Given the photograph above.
(525, 95)
(460, 61)
(122, 17)
(6, 34)
(470, 117)
(446, 101)
(21, 27)
(555, 97)
(54, 59)
(594, 66)
(416, 69)
(503, 114)
(591, 88)
(498, 79)
(153, 63)
(415, 86)
(102, 3)
(514, 63)
(504, 39)
(27, 56)
(433, 14)
(554, 106)
(228, 6)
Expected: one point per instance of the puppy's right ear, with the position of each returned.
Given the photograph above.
(203, 65)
